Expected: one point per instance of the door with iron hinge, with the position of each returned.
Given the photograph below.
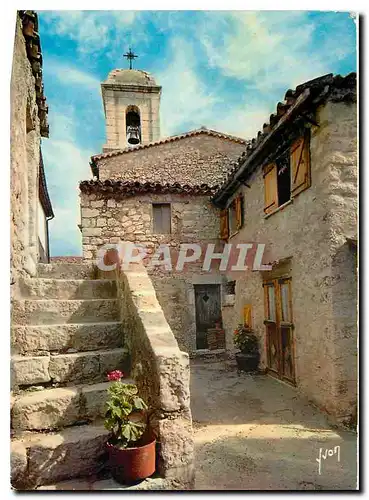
(279, 328)
(208, 312)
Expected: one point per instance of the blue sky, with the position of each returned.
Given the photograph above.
(223, 70)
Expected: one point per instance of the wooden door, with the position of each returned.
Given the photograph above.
(279, 328)
(208, 311)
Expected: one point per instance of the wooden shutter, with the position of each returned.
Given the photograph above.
(224, 227)
(300, 166)
(247, 315)
(270, 188)
(239, 214)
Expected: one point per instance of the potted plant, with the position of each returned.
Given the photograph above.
(131, 447)
(247, 343)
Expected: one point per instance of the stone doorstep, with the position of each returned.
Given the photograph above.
(53, 338)
(69, 460)
(77, 367)
(56, 311)
(73, 452)
(59, 407)
(206, 352)
(88, 484)
(79, 289)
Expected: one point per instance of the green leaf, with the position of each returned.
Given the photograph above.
(139, 404)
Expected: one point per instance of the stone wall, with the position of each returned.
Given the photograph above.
(24, 162)
(194, 220)
(161, 372)
(198, 159)
(310, 233)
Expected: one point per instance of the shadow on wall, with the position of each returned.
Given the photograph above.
(345, 307)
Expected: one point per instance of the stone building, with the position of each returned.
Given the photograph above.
(30, 203)
(293, 188)
(158, 193)
(70, 329)
(298, 181)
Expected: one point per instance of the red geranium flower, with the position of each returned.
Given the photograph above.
(115, 375)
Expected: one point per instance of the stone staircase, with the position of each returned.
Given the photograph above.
(66, 335)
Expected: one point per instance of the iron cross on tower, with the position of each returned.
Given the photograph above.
(130, 56)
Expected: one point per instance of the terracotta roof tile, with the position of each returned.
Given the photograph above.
(29, 21)
(123, 189)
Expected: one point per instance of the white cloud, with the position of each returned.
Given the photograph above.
(70, 75)
(268, 49)
(185, 98)
(66, 164)
(94, 31)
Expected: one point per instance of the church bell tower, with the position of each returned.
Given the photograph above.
(131, 101)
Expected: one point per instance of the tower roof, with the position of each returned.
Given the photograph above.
(131, 77)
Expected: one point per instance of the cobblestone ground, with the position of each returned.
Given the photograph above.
(256, 433)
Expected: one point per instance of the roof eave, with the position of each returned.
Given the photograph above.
(228, 189)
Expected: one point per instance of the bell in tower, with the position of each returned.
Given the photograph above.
(133, 126)
(131, 99)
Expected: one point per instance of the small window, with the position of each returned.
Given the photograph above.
(235, 215)
(283, 178)
(161, 218)
(230, 287)
(232, 217)
(288, 176)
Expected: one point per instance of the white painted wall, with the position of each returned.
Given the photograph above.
(41, 225)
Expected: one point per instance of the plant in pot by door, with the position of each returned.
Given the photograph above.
(247, 342)
(131, 447)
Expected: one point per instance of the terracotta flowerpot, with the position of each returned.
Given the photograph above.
(129, 465)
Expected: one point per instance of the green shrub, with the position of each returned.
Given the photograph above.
(245, 339)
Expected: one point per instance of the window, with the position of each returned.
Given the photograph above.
(230, 287)
(161, 218)
(288, 175)
(232, 219)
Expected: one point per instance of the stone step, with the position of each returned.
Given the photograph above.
(51, 312)
(89, 484)
(48, 288)
(58, 338)
(81, 367)
(60, 407)
(63, 270)
(39, 458)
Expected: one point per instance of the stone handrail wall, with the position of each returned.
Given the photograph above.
(161, 372)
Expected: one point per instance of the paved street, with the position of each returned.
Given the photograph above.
(255, 433)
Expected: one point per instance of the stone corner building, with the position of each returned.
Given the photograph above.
(31, 207)
(293, 188)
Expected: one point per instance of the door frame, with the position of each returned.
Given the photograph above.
(279, 324)
(219, 287)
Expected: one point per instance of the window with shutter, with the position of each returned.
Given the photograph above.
(300, 166)
(161, 218)
(224, 228)
(239, 211)
(270, 188)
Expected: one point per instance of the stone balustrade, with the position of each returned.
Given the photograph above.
(161, 372)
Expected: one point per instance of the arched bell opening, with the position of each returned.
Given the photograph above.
(133, 125)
